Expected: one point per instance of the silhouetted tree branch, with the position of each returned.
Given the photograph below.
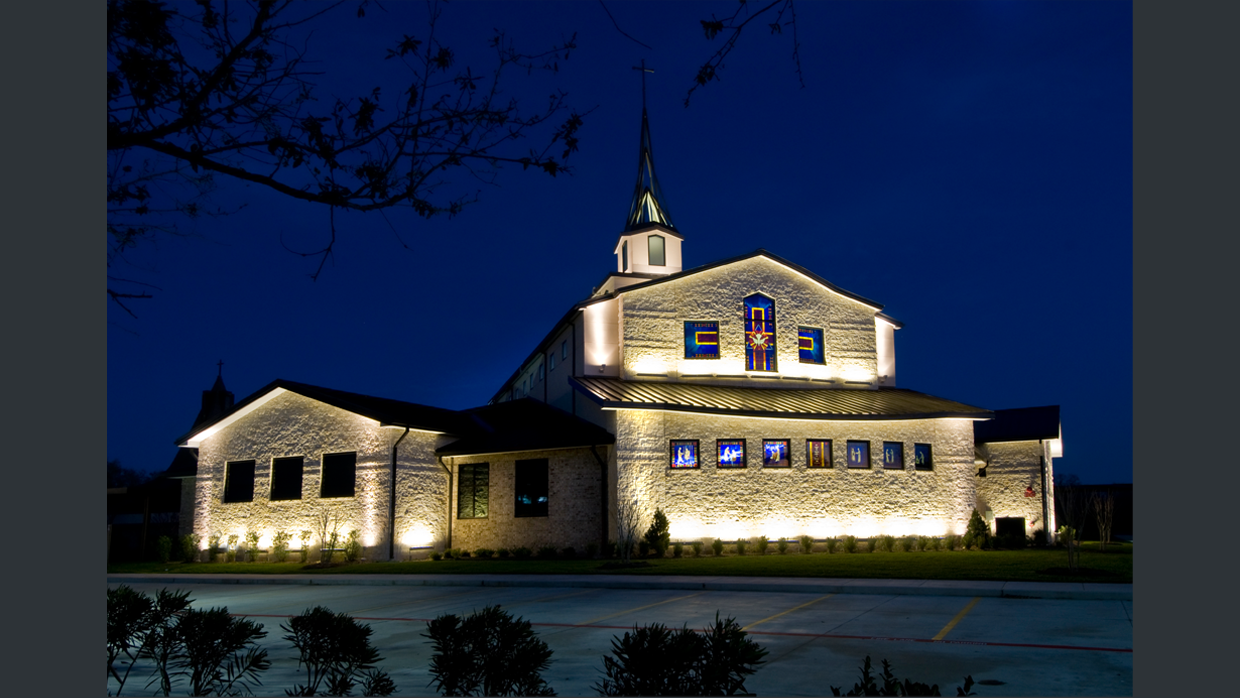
(733, 26)
(200, 91)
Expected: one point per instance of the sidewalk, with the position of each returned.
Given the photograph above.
(808, 585)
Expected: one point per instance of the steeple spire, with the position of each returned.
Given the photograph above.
(648, 205)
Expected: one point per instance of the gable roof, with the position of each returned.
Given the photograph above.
(783, 403)
(524, 425)
(383, 410)
(1020, 424)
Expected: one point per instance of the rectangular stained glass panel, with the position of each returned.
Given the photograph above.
(921, 457)
(759, 333)
(818, 453)
(701, 340)
(776, 453)
(731, 453)
(858, 454)
(893, 455)
(684, 453)
(809, 340)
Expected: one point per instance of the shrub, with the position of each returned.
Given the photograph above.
(678, 549)
(522, 552)
(869, 546)
(885, 543)
(807, 545)
(656, 661)
(966, 541)
(279, 545)
(484, 553)
(926, 543)
(657, 536)
(336, 652)
(141, 627)
(353, 546)
(894, 687)
(502, 553)
(782, 546)
(189, 547)
(761, 544)
(697, 548)
(591, 550)
(569, 553)
(849, 543)
(911, 544)
(213, 547)
(163, 548)
(436, 555)
(1039, 537)
(643, 548)
(219, 653)
(462, 554)
(231, 554)
(740, 546)
(487, 653)
(717, 546)
(979, 529)
(304, 537)
(547, 551)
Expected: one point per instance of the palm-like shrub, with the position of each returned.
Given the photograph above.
(487, 653)
(336, 653)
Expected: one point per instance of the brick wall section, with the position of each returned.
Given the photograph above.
(292, 425)
(1013, 466)
(574, 501)
(787, 502)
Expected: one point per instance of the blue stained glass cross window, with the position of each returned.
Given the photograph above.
(809, 340)
(759, 333)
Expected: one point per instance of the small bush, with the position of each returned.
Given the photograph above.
(740, 546)
(894, 687)
(462, 554)
(885, 543)
(251, 546)
(279, 545)
(966, 541)
(569, 553)
(678, 549)
(979, 530)
(643, 548)
(717, 546)
(761, 544)
(657, 536)
(591, 550)
(807, 545)
(353, 546)
(189, 547)
(782, 546)
(926, 543)
(522, 552)
(869, 546)
(213, 547)
(487, 653)
(697, 548)
(304, 537)
(849, 544)
(547, 552)
(231, 554)
(436, 555)
(911, 544)
(1039, 537)
(163, 548)
(336, 653)
(484, 553)
(502, 553)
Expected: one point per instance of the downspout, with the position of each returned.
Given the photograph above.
(602, 545)
(392, 501)
(449, 472)
(1046, 520)
(572, 392)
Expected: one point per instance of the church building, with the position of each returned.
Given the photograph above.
(746, 397)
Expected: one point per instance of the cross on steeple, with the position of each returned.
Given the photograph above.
(644, 70)
(221, 367)
(648, 204)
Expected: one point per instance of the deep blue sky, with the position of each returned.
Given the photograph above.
(968, 165)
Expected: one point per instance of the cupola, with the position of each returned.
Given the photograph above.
(650, 243)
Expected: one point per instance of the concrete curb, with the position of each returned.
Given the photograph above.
(900, 587)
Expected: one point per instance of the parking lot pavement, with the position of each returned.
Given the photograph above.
(1011, 646)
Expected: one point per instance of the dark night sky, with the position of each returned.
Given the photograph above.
(968, 165)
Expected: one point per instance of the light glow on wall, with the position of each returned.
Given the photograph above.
(774, 528)
(418, 536)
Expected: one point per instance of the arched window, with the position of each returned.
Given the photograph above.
(759, 333)
(656, 251)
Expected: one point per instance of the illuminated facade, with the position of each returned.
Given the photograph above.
(747, 397)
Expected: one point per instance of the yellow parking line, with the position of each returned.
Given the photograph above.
(959, 617)
(807, 603)
(641, 608)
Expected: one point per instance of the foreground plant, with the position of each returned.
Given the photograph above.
(894, 687)
(487, 653)
(140, 627)
(656, 661)
(336, 652)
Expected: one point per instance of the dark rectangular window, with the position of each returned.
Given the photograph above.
(684, 453)
(473, 490)
(339, 475)
(776, 453)
(893, 455)
(551, 361)
(564, 349)
(858, 454)
(531, 488)
(921, 457)
(731, 453)
(239, 481)
(818, 453)
(286, 478)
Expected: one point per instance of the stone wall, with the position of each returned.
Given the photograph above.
(293, 425)
(1011, 467)
(787, 502)
(574, 479)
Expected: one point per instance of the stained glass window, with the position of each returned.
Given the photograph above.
(731, 453)
(701, 340)
(531, 488)
(921, 457)
(684, 453)
(810, 341)
(473, 490)
(759, 333)
(893, 455)
(776, 453)
(818, 453)
(858, 454)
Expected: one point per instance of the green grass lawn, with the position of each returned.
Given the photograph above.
(1114, 565)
